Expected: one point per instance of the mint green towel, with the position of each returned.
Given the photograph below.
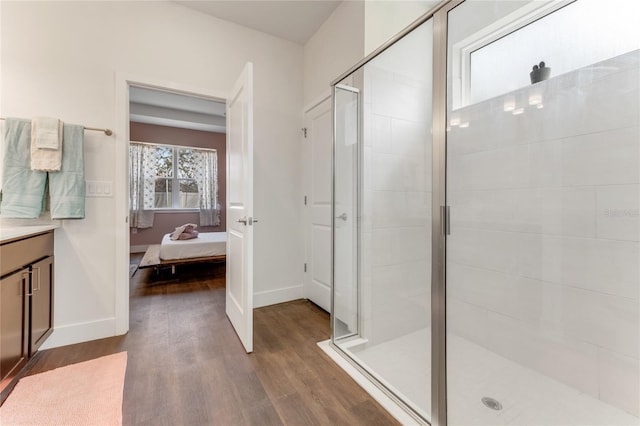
(22, 188)
(67, 186)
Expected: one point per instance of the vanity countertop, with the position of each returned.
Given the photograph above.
(14, 232)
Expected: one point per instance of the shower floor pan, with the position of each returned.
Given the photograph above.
(526, 397)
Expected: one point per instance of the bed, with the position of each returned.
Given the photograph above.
(208, 247)
(207, 244)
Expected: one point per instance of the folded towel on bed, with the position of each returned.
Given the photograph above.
(187, 228)
(188, 235)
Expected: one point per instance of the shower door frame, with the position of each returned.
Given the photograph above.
(355, 213)
(439, 214)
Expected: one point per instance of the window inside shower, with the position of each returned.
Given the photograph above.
(554, 33)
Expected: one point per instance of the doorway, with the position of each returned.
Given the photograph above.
(173, 93)
(183, 160)
(239, 189)
(177, 146)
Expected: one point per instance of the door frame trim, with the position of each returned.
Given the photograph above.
(121, 181)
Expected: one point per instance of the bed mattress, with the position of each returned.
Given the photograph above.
(207, 244)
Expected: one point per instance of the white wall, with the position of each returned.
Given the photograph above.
(354, 29)
(64, 59)
(333, 49)
(385, 18)
(542, 260)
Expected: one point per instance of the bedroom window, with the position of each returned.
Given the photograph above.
(168, 177)
(176, 186)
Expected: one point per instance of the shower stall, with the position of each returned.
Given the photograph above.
(486, 225)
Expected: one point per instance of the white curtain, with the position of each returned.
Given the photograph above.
(141, 185)
(208, 188)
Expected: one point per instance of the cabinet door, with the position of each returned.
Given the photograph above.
(13, 330)
(41, 302)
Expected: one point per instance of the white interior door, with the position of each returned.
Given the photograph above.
(317, 166)
(239, 294)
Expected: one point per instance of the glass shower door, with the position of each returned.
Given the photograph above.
(345, 212)
(382, 219)
(542, 181)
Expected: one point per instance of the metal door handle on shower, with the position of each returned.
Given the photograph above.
(343, 216)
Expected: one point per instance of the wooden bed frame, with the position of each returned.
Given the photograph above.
(151, 259)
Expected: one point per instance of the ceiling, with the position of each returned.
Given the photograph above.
(175, 110)
(294, 20)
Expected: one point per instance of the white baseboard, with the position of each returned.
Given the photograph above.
(138, 249)
(271, 297)
(80, 332)
(70, 334)
(387, 403)
(318, 294)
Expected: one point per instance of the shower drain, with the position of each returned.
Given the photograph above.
(491, 403)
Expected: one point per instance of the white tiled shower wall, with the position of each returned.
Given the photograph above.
(396, 199)
(543, 256)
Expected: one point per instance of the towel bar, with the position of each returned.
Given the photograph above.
(107, 132)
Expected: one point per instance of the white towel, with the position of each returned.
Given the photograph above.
(46, 144)
(46, 132)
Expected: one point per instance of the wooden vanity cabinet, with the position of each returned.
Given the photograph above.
(26, 300)
(14, 331)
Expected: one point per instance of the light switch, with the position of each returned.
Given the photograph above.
(91, 188)
(99, 188)
(108, 188)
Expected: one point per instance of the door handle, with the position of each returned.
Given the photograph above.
(250, 221)
(343, 216)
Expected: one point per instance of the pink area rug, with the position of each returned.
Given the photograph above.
(87, 393)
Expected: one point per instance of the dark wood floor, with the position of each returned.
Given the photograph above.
(186, 365)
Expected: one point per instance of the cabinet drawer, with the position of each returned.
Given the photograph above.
(19, 253)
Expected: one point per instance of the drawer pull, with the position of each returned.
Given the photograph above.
(26, 281)
(36, 268)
